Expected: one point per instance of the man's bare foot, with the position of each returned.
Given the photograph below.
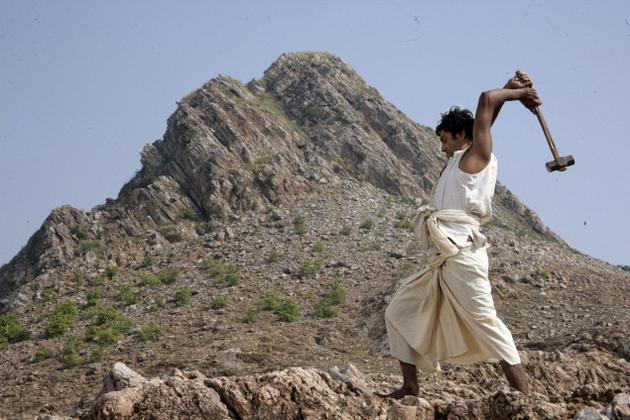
(400, 393)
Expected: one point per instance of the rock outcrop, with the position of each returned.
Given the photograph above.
(561, 383)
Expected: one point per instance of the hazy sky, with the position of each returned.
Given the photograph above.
(85, 84)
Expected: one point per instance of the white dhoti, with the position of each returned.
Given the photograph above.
(445, 312)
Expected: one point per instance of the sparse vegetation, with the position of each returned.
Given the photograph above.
(42, 353)
(335, 295)
(102, 335)
(150, 332)
(98, 280)
(413, 247)
(127, 295)
(219, 302)
(150, 280)
(79, 278)
(270, 302)
(318, 247)
(307, 269)
(367, 224)
(147, 261)
(222, 274)
(274, 256)
(111, 271)
(250, 316)
(61, 320)
(11, 330)
(111, 317)
(324, 309)
(98, 354)
(93, 298)
(183, 295)
(79, 232)
(70, 355)
(288, 311)
(345, 230)
(169, 276)
(171, 233)
(189, 214)
(159, 302)
(299, 225)
(108, 327)
(543, 273)
(87, 245)
(372, 245)
(402, 222)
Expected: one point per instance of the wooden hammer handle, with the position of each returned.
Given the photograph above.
(545, 128)
(543, 124)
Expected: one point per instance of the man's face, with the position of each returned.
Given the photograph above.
(451, 143)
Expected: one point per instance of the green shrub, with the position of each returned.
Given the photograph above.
(127, 295)
(299, 225)
(79, 278)
(70, 355)
(372, 245)
(147, 261)
(111, 271)
(318, 247)
(404, 224)
(189, 214)
(208, 262)
(324, 309)
(225, 274)
(93, 298)
(42, 353)
(151, 332)
(274, 256)
(102, 335)
(250, 316)
(169, 276)
(61, 320)
(79, 232)
(367, 224)
(86, 245)
(111, 317)
(11, 330)
(270, 302)
(288, 311)
(307, 270)
(98, 354)
(219, 302)
(183, 295)
(336, 294)
(150, 280)
(345, 230)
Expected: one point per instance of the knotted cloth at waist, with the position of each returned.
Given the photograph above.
(427, 230)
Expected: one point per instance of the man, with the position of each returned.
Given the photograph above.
(445, 313)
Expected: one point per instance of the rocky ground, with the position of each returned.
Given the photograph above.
(330, 276)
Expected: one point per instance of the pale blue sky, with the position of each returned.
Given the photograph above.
(85, 84)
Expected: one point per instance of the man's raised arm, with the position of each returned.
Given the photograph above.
(488, 107)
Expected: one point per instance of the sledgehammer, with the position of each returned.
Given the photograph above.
(559, 163)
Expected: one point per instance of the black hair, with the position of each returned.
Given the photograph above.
(455, 121)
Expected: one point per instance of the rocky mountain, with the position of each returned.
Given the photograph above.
(267, 229)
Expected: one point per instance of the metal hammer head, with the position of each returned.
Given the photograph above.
(560, 164)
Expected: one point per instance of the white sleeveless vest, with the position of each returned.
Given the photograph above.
(471, 193)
